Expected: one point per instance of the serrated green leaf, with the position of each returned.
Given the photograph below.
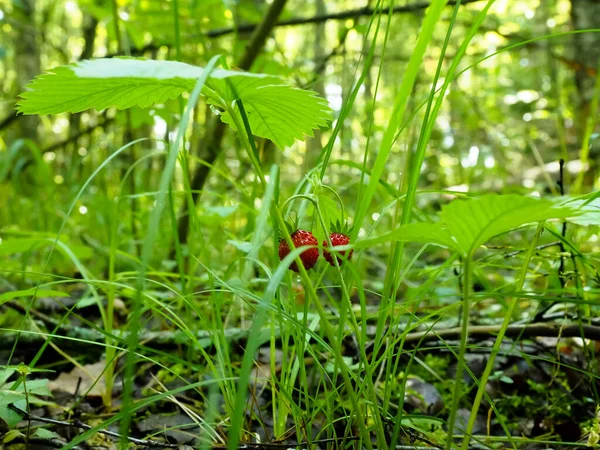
(330, 209)
(467, 224)
(120, 82)
(275, 111)
(473, 222)
(281, 113)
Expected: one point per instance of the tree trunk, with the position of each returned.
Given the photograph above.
(27, 60)
(212, 149)
(315, 145)
(585, 14)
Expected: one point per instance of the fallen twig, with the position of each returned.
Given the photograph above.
(79, 424)
(524, 331)
(76, 337)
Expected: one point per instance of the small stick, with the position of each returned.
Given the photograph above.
(79, 424)
(539, 247)
(561, 268)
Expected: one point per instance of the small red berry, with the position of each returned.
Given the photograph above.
(308, 257)
(337, 239)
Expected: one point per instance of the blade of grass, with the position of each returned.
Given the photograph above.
(148, 243)
(490, 363)
(408, 80)
(391, 284)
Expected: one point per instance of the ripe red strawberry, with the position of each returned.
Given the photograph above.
(338, 237)
(308, 257)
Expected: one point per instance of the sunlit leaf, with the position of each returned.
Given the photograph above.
(8, 397)
(120, 82)
(475, 221)
(467, 224)
(280, 113)
(275, 111)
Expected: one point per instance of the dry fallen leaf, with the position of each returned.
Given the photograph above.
(91, 380)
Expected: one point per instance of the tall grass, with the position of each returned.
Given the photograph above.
(313, 384)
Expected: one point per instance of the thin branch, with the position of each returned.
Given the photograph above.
(525, 331)
(76, 136)
(86, 336)
(214, 140)
(539, 247)
(343, 15)
(561, 267)
(78, 424)
(250, 27)
(561, 185)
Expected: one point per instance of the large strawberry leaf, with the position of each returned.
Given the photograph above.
(475, 221)
(467, 224)
(275, 111)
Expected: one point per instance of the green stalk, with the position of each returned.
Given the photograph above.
(277, 218)
(496, 348)
(148, 248)
(463, 347)
(395, 260)
(406, 87)
(110, 303)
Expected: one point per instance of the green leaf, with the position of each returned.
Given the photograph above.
(18, 245)
(330, 209)
(221, 211)
(43, 433)
(467, 224)
(5, 374)
(36, 387)
(280, 113)
(29, 292)
(8, 397)
(11, 435)
(590, 209)
(120, 82)
(275, 111)
(242, 246)
(473, 222)
(8, 414)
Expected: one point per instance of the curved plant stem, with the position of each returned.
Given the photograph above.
(463, 347)
(247, 138)
(496, 348)
(339, 199)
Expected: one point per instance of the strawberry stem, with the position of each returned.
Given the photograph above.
(343, 213)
